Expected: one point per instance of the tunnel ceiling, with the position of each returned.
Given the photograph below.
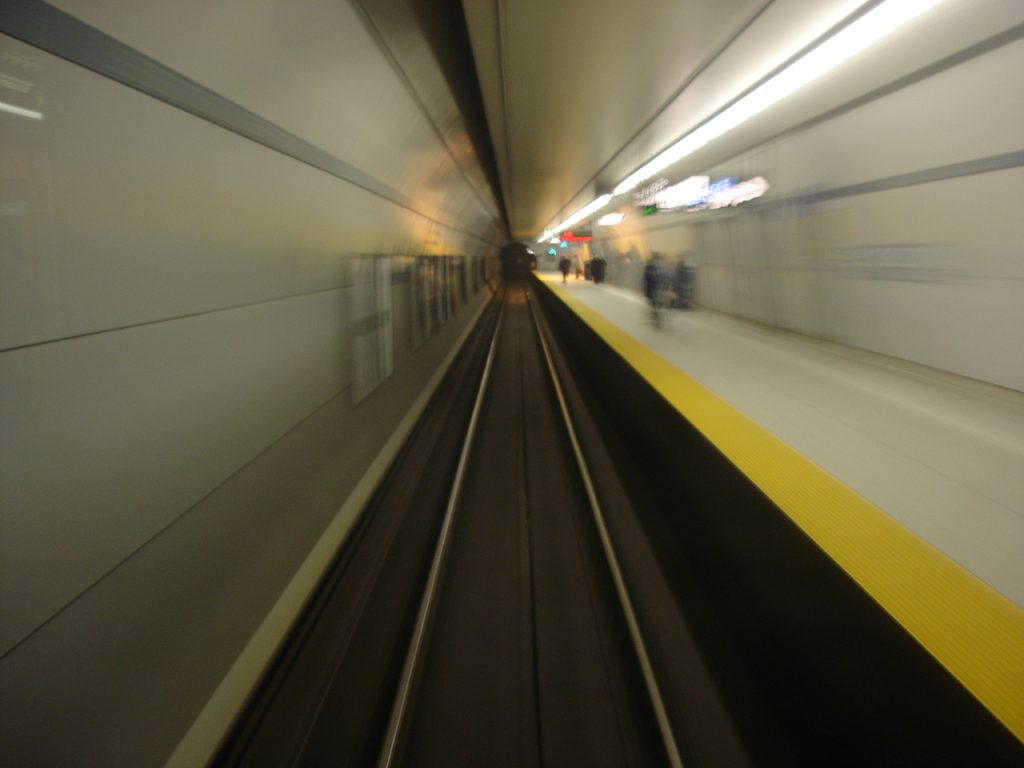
(579, 95)
(572, 87)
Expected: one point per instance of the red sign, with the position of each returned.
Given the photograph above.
(569, 237)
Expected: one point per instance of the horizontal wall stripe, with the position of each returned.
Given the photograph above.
(989, 164)
(1011, 35)
(940, 173)
(971, 52)
(375, 321)
(398, 276)
(173, 318)
(968, 627)
(54, 31)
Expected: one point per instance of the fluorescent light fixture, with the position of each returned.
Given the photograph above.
(20, 111)
(852, 39)
(582, 213)
(610, 219)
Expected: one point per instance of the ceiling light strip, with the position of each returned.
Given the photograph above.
(21, 111)
(852, 39)
(582, 213)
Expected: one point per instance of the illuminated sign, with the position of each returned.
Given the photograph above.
(685, 194)
(646, 196)
(569, 237)
(699, 193)
(739, 192)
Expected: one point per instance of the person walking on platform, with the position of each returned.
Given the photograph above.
(577, 261)
(563, 267)
(682, 285)
(652, 288)
(597, 265)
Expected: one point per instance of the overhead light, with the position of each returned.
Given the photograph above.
(852, 39)
(29, 113)
(610, 219)
(582, 213)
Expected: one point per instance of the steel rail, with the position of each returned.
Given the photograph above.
(429, 599)
(657, 702)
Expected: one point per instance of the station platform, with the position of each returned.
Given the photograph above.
(909, 478)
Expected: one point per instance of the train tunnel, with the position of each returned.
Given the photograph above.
(490, 383)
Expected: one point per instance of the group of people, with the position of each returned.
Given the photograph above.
(592, 270)
(664, 288)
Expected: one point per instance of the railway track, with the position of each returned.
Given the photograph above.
(559, 571)
(527, 649)
(523, 647)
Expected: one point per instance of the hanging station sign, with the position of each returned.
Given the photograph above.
(699, 193)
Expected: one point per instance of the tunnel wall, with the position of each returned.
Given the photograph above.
(236, 249)
(889, 226)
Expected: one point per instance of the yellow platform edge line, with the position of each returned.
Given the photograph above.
(972, 630)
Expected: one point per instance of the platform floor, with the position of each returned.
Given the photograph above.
(940, 454)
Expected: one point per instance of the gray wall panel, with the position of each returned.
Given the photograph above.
(138, 425)
(180, 335)
(309, 67)
(137, 211)
(119, 675)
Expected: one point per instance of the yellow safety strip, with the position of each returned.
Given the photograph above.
(972, 630)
